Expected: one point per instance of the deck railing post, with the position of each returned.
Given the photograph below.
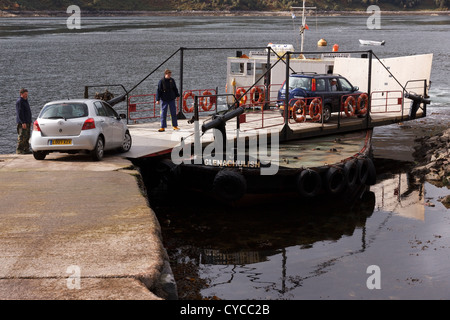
(369, 88)
(267, 78)
(341, 103)
(197, 144)
(216, 102)
(425, 95)
(286, 85)
(180, 114)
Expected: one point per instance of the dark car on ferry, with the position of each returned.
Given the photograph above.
(329, 88)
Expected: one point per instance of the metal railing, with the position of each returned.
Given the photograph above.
(390, 100)
(264, 116)
(142, 107)
(387, 101)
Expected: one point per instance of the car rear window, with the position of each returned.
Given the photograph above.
(303, 83)
(64, 111)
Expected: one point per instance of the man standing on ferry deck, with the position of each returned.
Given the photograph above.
(167, 92)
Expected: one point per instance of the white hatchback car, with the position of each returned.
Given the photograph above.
(79, 125)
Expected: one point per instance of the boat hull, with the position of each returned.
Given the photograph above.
(306, 179)
(372, 43)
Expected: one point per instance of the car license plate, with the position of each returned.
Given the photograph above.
(59, 142)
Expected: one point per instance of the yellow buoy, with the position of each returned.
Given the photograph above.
(322, 43)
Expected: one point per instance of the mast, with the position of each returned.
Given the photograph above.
(304, 25)
(302, 29)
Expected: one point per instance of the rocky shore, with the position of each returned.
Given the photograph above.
(433, 156)
(53, 13)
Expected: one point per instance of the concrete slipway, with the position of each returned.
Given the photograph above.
(71, 228)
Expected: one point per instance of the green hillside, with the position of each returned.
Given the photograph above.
(217, 5)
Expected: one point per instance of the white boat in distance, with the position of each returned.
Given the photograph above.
(371, 43)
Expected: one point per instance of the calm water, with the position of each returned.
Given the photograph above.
(269, 252)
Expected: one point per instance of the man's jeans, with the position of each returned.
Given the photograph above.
(173, 112)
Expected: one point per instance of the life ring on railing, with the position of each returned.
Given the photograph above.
(335, 180)
(350, 106)
(240, 96)
(299, 105)
(362, 99)
(309, 183)
(204, 103)
(188, 95)
(315, 109)
(351, 172)
(229, 185)
(260, 95)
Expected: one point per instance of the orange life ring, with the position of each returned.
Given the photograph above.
(240, 96)
(299, 105)
(350, 101)
(185, 97)
(260, 95)
(363, 98)
(205, 105)
(315, 109)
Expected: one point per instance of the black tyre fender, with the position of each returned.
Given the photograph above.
(363, 170)
(335, 180)
(372, 175)
(229, 185)
(309, 183)
(168, 173)
(351, 172)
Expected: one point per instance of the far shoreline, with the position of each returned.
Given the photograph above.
(49, 13)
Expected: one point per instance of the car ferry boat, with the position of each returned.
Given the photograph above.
(317, 155)
(254, 146)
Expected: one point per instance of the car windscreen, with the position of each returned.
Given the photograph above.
(64, 111)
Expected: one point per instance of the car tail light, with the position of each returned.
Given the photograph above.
(89, 124)
(36, 126)
(313, 86)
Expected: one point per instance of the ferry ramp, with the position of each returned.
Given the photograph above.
(73, 229)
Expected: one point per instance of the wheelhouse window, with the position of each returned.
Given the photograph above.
(260, 69)
(249, 68)
(236, 68)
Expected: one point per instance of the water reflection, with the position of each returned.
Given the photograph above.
(402, 195)
(276, 251)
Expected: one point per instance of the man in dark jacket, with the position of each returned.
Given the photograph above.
(167, 92)
(23, 120)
